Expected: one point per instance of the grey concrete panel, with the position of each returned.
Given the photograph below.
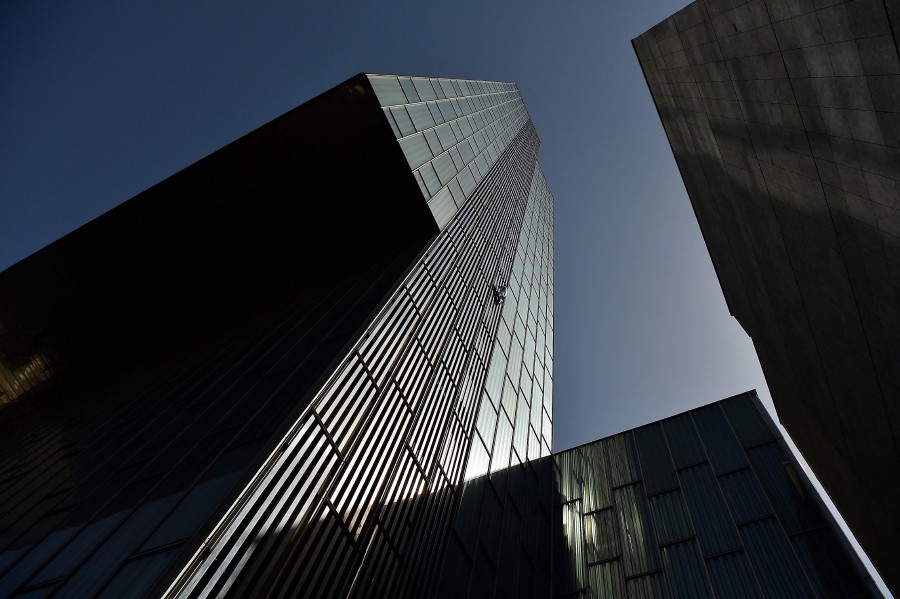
(786, 128)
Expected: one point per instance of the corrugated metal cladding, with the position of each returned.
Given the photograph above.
(708, 503)
(359, 499)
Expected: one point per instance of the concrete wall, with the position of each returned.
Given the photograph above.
(784, 118)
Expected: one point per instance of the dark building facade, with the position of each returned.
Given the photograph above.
(216, 390)
(708, 503)
(784, 119)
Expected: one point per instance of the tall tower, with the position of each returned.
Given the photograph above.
(783, 118)
(272, 373)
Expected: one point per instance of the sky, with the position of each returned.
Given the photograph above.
(101, 100)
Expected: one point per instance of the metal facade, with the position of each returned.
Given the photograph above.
(708, 503)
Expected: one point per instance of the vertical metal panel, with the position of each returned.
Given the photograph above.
(569, 466)
(622, 457)
(597, 488)
(606, 580)
(601, 536)
(568, 555)
(683, 440)
(731, 577)
(722, 447)
(745, 496)
(650, 586)
(749, 425)
(670, 517)
(656, 463)
(777, 570)
(828, 565)
(784, 488)
(684, 571)
(715, 528)
(640, 553)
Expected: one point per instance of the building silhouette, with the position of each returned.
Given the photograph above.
(318, 363)
(265, 372)
(783, 119)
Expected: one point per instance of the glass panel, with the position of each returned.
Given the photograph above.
(416, 150)
(430, 178)
(411, 94)
(83, 544)
(424, 89)
(444, 167)
(404, 123)
(446, 136)
(443, 208)
(388, 90)
(502, 444)
(420, 116)
(94, 571)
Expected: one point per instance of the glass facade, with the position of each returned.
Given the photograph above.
(316, 443)
(708, 503)
(358, 498)
(452, 131)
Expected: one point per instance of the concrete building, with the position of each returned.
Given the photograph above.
(784, 119)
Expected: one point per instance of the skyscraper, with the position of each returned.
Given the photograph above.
(272, 372)
(783, 118)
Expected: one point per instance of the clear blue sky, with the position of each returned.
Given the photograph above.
(99, 101)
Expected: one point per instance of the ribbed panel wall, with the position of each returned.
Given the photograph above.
(500, 546)
(112, 486)
(704, 504)
(359, 498)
